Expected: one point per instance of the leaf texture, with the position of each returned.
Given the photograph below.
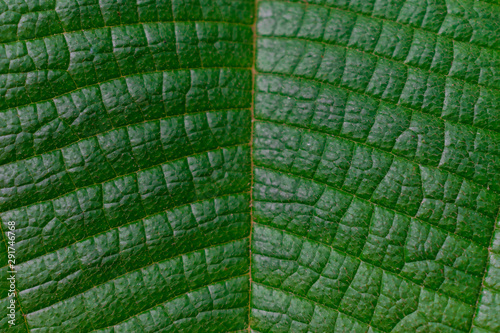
(376, 187)
(235, 166)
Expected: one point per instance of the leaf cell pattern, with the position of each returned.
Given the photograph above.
(238, 166)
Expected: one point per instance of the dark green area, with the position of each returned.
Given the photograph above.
(230, 165)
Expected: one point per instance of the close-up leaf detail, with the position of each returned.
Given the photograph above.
(270, 166)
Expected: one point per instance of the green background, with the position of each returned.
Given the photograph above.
(231, 165)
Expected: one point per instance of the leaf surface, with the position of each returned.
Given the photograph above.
(270, 166)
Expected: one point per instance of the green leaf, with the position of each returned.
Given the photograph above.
(235, 166)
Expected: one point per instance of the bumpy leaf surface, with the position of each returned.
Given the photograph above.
(235, 166)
